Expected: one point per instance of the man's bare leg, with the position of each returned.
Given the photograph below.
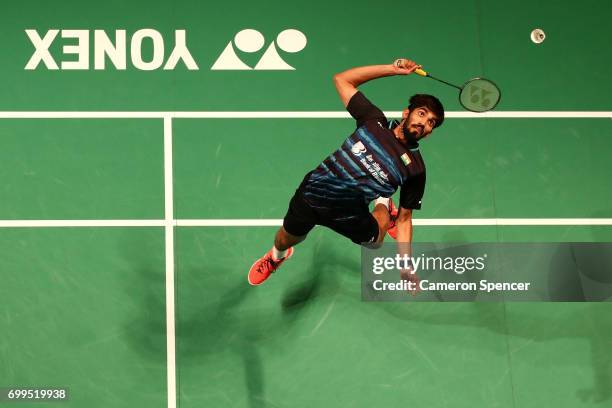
(285, 240)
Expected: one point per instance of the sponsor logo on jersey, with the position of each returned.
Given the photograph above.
(358, 149)
(374, 169)
(369, 163)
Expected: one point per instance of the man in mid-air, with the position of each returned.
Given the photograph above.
(371, 164)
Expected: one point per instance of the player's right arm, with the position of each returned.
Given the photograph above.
(347, 81)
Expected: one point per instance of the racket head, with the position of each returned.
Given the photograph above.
(479, 95)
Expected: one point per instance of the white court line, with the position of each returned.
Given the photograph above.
(80, 223)
(422, 222)
(230, 223)
(169, 224)
(291, 115)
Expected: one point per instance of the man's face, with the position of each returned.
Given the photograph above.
(419, 122)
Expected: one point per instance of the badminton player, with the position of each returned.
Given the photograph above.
(377, 159)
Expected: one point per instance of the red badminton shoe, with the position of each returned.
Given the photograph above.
(265, 266)
(393, 212)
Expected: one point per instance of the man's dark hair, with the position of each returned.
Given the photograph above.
(430, 102)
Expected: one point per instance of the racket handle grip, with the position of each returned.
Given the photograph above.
(420, 72)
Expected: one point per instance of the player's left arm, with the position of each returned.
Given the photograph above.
(404, 244)
(404, 225)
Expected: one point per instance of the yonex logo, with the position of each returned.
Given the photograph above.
(97, 49)
(358, 149)
(114, 48)
(251, 41)
(481, 98)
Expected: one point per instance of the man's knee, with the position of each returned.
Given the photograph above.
(284, 239)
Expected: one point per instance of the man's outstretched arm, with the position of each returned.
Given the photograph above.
(404, 244)
(404, 229)
(347, 82)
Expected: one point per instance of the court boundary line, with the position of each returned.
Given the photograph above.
(169, 223)
(284, 115)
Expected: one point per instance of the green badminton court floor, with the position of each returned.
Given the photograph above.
(85, 307)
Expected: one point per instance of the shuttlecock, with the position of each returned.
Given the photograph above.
(538, 36)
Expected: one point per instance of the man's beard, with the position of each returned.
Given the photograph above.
(410, 136)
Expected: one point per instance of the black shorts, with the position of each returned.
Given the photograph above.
(355, 222)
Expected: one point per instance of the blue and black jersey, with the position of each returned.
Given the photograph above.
(371, 163)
